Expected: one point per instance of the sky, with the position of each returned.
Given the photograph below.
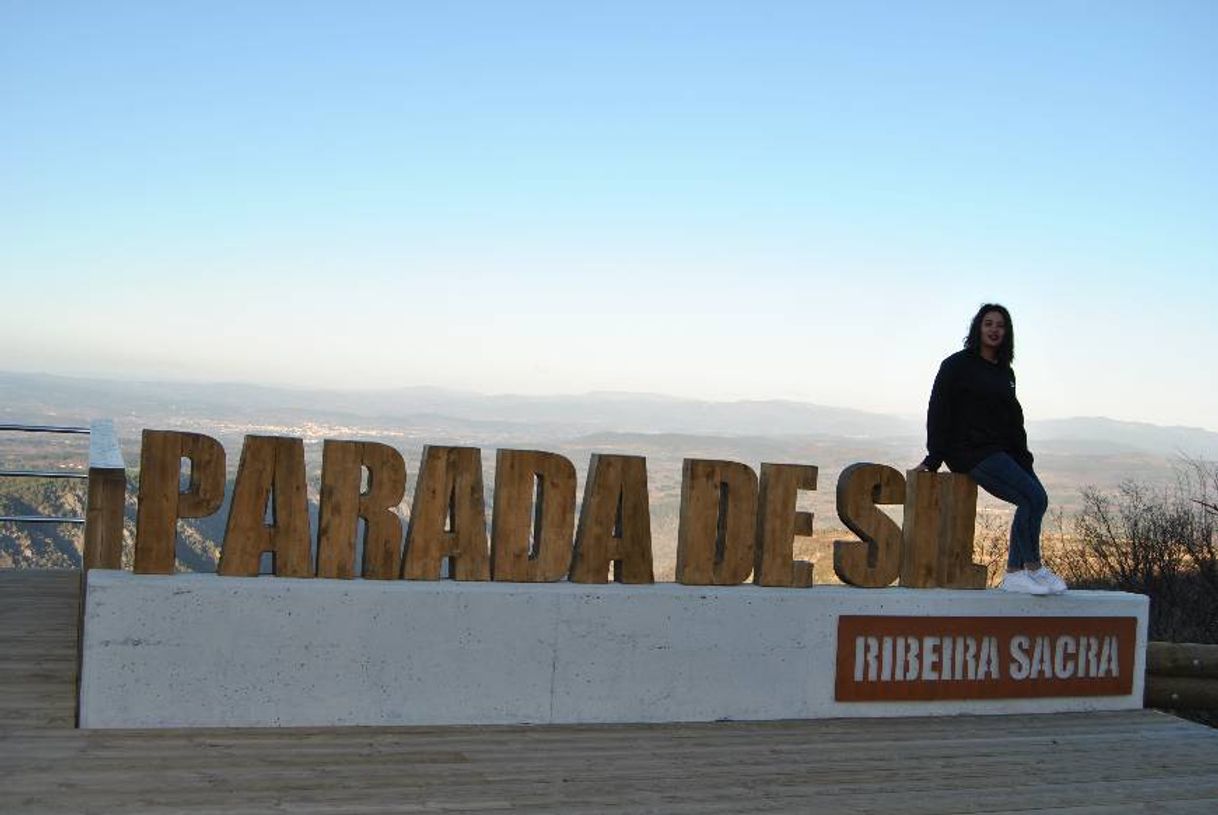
(746, 200)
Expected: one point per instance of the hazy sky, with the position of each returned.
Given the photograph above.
(721, 200)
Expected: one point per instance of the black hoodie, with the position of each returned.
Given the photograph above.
(973, 413)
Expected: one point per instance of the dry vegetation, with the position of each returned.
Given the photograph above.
(1161, 542)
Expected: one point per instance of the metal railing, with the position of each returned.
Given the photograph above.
(43, 519)
(107, 492)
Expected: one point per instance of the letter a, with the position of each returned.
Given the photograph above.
(614, 523)
(272, 470)
(448, 517)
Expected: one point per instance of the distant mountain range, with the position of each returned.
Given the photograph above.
(30, 397)
(1070, 453)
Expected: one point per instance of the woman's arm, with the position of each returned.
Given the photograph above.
(939, 418)
(1019, 435)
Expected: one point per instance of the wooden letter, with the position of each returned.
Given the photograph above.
(448, 517)
(342, 505)
(545, 555)
(156, 515)
(272, 469)
(162, 503)
(105, 501)
(715, 539)
(957, 528)
(940, 514)
(614, 523)
(874, 561)
(778, 523)
(338, 508)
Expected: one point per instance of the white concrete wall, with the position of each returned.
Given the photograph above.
(202, 650)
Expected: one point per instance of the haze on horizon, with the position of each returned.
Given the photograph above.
(713, 200)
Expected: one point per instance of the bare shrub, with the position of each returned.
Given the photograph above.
(1154, 541)
(991, 543)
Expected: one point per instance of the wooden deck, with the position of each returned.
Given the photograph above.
(1129, 762)
(39, 613)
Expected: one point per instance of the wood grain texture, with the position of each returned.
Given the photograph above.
(156, 517)
(383, 538)
(778, 523)
(448, 517)
(1182, 675)
(1182, 659)
(338, 509)
(161, 501)
(940, 514)
(1182, 693)
(341, 504)
(614, 531)
(205, 492)
(534, 517)
(957, 529)
(1119, 763)
(39, 621)
(873, 561)
(271, 472)
(105, 502)
(106, 499)
(1085, 764)
(716, 533)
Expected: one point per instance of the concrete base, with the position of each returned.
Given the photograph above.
(202, 650)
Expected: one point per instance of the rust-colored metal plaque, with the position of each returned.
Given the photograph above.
(915, 659)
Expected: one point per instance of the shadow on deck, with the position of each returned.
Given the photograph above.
(1117, 762)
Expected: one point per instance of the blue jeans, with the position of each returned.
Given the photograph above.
(1002, 477)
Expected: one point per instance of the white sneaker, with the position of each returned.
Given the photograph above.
(1055, 584)
(1023, 582)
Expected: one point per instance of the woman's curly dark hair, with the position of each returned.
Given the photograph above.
(1006, 351)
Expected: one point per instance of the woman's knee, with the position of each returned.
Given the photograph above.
(1037, 499)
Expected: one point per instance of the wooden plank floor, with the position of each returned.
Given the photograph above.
(39, 613)
(1126, 762)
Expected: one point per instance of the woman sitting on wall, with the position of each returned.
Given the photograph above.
(975, 424)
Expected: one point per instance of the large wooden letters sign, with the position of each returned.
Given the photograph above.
(733, 524)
